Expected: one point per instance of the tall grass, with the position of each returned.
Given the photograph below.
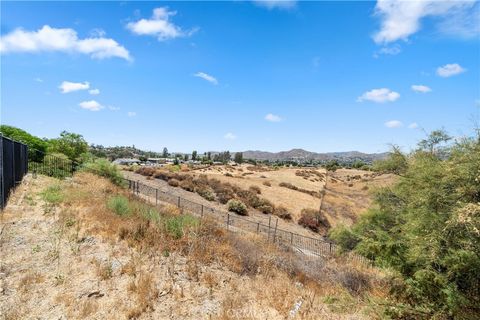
(120, 205)
(176, 225)
(53, 194)
(106, 169)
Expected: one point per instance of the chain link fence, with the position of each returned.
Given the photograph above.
(307, 245)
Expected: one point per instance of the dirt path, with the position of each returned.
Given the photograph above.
(194, 197)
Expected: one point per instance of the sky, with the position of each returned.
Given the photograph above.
(242, 75)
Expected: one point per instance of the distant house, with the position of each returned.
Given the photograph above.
(157, 160)
(126, 161)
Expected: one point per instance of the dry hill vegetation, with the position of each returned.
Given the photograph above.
(293, 194)
(84, 248)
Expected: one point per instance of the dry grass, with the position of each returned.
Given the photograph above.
(160, 274)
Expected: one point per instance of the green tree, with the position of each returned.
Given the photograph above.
(238, 158)
(33, 142)
(426, 227)
(434, 141)
(396, 162)
(194, 155)
(165, 153)
(70, 144)
(185, 157)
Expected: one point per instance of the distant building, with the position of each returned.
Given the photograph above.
(126, 161)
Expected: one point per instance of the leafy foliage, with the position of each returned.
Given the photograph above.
(427, 228)
(33, 142)
(72, 145)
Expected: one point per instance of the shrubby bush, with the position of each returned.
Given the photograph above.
(283, 213)
(312, 219)
(237, 206)
(426, 228)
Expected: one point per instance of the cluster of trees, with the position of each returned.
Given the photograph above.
(68, 145)
(426, 227)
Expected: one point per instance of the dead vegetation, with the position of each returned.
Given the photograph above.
(147, 262)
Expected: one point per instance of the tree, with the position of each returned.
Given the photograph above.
(194, 155)
(238, 157)
(434, 140)
(70, 144)
(426, 228)
(395, 163)
(33, 142)
(185, 157)
(209, 156)
(165, 153)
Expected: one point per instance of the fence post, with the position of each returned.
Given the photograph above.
(291, 238)
(138, 187)
(275, 233)
(258, 227)
(330, 247)
(156, 196)
(201, 214)
(178, 202)
(269, 221)
(228, 220)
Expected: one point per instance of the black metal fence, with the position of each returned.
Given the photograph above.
(307, 245)
(52, 165)
(13, 166)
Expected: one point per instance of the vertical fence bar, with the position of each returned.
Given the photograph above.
(228, 220)
(178, 202)
(201, 214)
(258, 227)
(156, 196)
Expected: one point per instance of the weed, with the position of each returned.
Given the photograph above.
(120, 205)
(176, 225)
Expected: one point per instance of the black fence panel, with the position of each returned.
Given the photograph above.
(13, 166)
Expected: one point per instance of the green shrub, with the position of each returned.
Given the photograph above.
(206, 192)
(105, 168)
(176, 225)
(149, 213)
(237, 206)
(120, 205)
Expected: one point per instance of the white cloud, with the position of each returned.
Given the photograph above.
(273, 118)
(393, 124)
(449, 70)
(159, 26)
(38, 80)
(113, 108)
(94, 92)
(276, 4)
(131, 114)
(392, 51)
(91, 105)
(421, 88)
(413, 125)
(230, 136)
(206, 77)
(48, 39)
(67, 86)
(400, 19)
(379, 95)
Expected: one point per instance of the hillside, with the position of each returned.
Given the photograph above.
(303, 155)
(86, 249)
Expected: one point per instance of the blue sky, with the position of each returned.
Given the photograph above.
(323, 76)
